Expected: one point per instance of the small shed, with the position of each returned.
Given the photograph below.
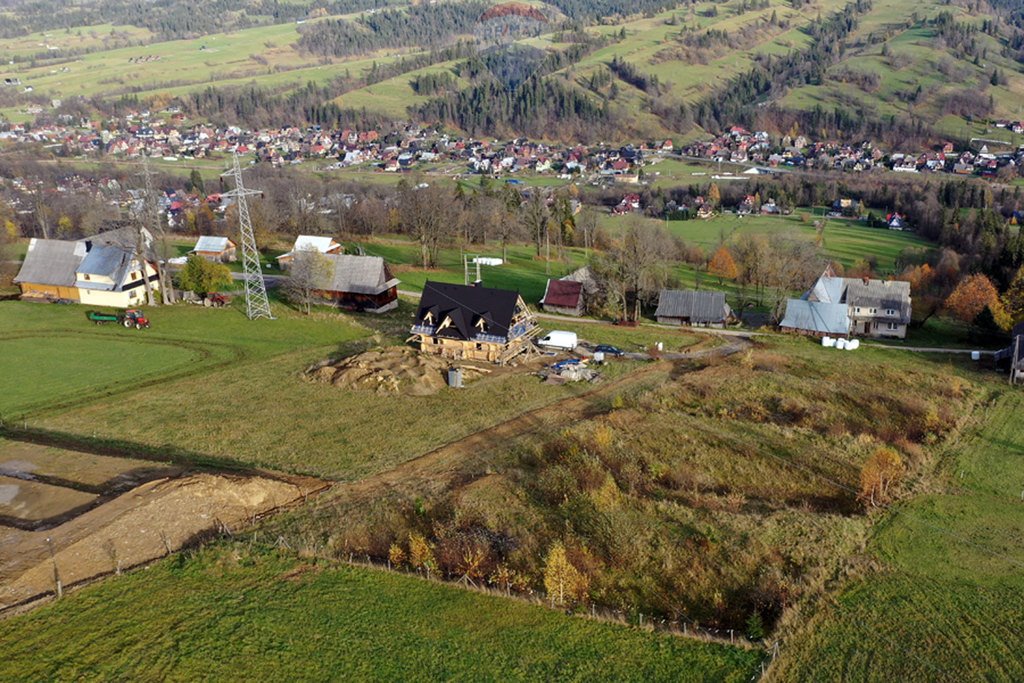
(564, 297)
(216, 249)
(692, 307)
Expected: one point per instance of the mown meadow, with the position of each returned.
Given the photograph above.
(229, 612)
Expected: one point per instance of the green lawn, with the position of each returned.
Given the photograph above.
(40, 370)
(243, 402)
(230, 614)
(946, 603)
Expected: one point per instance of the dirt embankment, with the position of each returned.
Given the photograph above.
(56, 536)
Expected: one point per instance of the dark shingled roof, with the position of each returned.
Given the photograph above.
(697, 307)
(563, 293)
(465, 306)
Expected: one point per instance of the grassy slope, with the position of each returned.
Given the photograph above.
(267, 55)
(845, 241)
(214, 617)
(947, 603)
(199, 408)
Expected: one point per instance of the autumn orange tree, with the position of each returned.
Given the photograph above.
(1013, 298)
(879, 474)
(723, 265)
(714, 195)
(972, 296)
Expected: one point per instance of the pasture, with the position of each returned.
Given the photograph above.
(945, 602)
(844, 241)
(230, 613)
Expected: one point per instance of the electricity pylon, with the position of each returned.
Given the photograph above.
(256, 303)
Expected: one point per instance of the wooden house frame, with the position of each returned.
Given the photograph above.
(461, 322)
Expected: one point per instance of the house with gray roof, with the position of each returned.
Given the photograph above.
(101, 270)
(362, 283)
(843, 306)
(692, 307)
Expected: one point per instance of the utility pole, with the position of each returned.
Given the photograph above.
(151, 216)
(256, 303)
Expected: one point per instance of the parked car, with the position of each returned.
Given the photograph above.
(609, 350)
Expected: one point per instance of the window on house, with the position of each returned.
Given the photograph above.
(891, 326)
(890, 311)
(857, 310)
(873, 311)
(87, 276)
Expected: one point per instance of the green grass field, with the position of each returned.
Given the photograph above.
(83, 365)
(844, 241)
(946, 602)
(229, 613)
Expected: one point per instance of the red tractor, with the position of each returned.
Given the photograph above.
(133, 317)
(217, 300)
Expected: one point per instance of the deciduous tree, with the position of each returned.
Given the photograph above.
(1013, 298)
(202, 276)
(309, 273)
(723, 265)
(563, 582)
(973, 295)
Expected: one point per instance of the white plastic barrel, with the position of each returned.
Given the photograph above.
(975, 355)
(841, 344)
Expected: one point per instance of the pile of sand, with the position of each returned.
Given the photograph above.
(398, 370)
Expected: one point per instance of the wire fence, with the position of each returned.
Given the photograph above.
(679, 626)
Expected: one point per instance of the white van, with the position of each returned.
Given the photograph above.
(559, 339)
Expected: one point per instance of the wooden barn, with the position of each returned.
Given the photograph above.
(564, 297)
(216, 249)
(572, 294)
(360, 283)
(463, 322)
(692, 307)
(49, 271)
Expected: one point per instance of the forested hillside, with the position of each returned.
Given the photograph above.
(851, 70)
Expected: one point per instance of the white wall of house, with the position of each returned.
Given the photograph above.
(124, 299)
